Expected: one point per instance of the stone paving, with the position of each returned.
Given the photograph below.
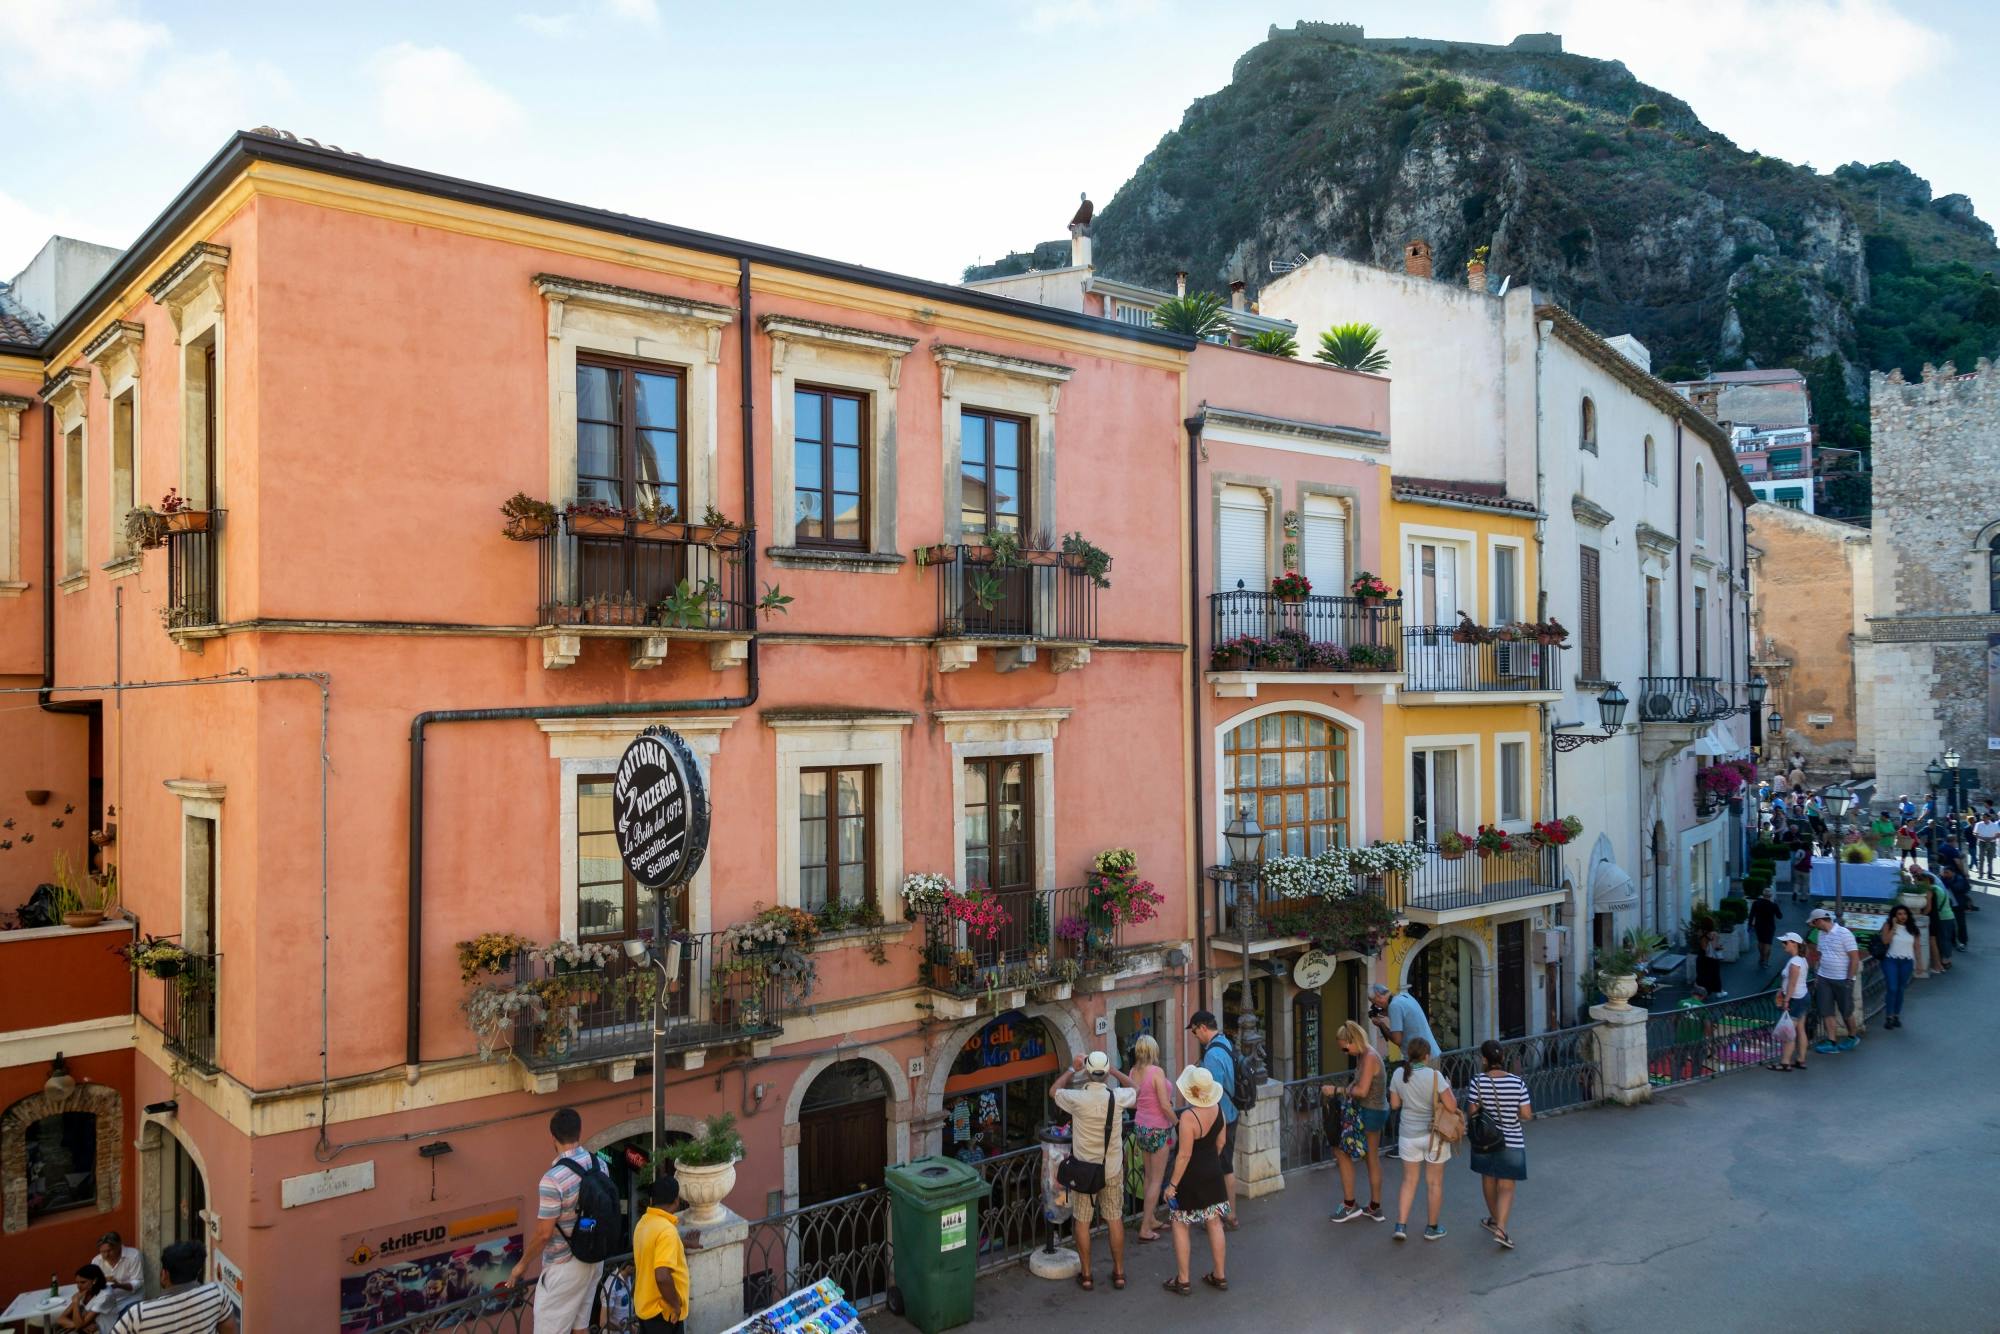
(1850, 1196)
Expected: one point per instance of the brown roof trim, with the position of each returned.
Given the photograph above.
(1658, 392)
(1470, 495)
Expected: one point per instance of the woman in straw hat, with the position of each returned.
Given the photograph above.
(1195, 1193)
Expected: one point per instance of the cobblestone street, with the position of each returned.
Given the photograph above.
(1726, 1205)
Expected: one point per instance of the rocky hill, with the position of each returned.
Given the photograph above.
(1606, 193)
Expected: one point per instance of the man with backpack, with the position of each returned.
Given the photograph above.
(576, 1230)
(1218, 1057)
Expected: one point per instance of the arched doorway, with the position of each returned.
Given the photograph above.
(1441, 980)
(173, 1199)
(996, 1097)
(843, 1132)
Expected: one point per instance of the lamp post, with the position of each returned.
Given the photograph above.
(1837, 798)
(639, 951)
(1245, 841)
(1955, 786)
(1934, 773)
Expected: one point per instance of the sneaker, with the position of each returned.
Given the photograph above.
(1401, 1233)
(1374, 1212)
(1825, 1048)
(1434, 1234)
(1848, 1043)
(1346, 1213)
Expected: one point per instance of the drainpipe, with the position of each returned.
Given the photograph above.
(413, 1001)
(1193, 425)
(1680, 556)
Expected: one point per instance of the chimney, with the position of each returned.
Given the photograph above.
(1707, 399)
(1236, 299)
(1475, 270)
(1417, 259)
(1079, 244)
(1180, 282)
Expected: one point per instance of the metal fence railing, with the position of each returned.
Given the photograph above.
(1254, 630)
(978, 599)
(193, 570)
(1703, 1041)
(1433, 660)
(1302, 1138)
(1560, 1067)
(611, 572)
(190, 1013)
(1471, 879)
(1044, 930)
(1681, 699)
(844, 1239)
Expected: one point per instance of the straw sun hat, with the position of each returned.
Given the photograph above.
(1198, 1086)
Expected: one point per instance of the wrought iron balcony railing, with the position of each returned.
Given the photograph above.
(1434, 661)
(1044, 930)
(1047, 597)
(1473, 879)
(628, 572)
(190, 1013)
(193, 570)
(1251, 630)
(1681, 699)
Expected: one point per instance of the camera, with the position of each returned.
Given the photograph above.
(1376, 1011)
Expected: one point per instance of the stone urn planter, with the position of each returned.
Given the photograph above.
(703, 1189)
(1730, 943)
(1618, 994)
(1916, 903)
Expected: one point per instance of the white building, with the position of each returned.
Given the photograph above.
(1642, 557)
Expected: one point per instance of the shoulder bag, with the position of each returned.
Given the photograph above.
(1480, 1128)
(1447, 1123)
(1088, 1178)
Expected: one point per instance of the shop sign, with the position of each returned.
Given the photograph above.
(1012, 1039)
(659, 808)
(230, 1279)
(328, 1185)
(1314, 970)
(404, 1269)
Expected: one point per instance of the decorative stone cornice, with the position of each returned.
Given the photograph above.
(1588, 511)
(786, 330)
(195, 789)
(562, 293)
(1049, 375)
(964, 726)
(67, 393)
(1655, 541)
(194, 274)
(1301, 430)
(115, 351)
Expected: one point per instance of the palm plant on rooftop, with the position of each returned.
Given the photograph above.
(1353, 346)
(1275, 343)
(1198, 314)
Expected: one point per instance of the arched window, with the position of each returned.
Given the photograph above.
(1587, 436)
(1993, 574)
(1290, 770)
(62, 1163)
(1700, 506)
(1652, 462)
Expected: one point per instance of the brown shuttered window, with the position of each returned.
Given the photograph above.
(1588, 629)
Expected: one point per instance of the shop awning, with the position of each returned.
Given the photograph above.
(1611, 887)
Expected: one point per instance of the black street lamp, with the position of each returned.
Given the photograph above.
(1838, 800)
(1935, 773)
(1611, 707)
(1245, 840)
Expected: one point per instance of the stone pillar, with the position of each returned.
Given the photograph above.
(715, 1274)
(1621, 1053)
(1258, 1168)
(1923, 968)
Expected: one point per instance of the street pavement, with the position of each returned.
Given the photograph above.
(1855, 1195)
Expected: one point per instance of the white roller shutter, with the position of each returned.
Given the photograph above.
(1323, 544)
(1245, 542)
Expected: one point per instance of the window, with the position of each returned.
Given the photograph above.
(630, 442)
(609, 902)
(999, 815)
(836, 836)
(124, 471)
(1589, 630)
(993, 473)
(1434, 808)
(1243, 552)
(830, 467)
(1700, 506)
(1430, 594)
(1587, 425)
(73, 515)
(1323, 544)
(1653, 626)
(1513, 776)
(62, 1163)
(1993, 574)
(1506, 585)
(1652, 462)
(1791, 497)
(1290, 770)
(1700, 631)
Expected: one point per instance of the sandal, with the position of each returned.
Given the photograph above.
(1118, 1281)
(1177, 1287)
(1143, 1238)
(1219, 1284)
(1503, 1239)
(1083, 1281)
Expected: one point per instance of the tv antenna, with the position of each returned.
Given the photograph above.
(1297, 261)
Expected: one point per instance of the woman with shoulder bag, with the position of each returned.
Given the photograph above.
(1500, 1104)
(1431, 1123)
(1366, 1100)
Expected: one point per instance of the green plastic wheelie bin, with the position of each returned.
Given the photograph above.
(934, 1229)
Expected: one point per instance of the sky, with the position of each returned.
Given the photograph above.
(914, 137)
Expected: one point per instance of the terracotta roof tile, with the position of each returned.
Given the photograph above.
(1486, 495)
(18, 324)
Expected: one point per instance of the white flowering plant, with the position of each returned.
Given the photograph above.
(570, 956)
(927, 891)
(1384, 858)
(1332, 874)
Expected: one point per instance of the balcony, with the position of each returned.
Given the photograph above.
(1687, 701)
(193, 608)
(1790, 470)
(189, 1026)
(720, 995)
(647, 582)
(1046, 601)
(1272, 922)
(1438, 662)
(1051, 944)
(1449, 889)
(1257, 638)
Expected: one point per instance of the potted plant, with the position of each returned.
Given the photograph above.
(1080, 554)
(180, 516)
(984, 585)
(716, 529)
(1617, 969)
(489, 952)
(1551, 634)
(925, 892)
(1043, 552)
(937, 553)
(527, 518)
(1368, 587)
(492, 1011)
(706, 1167)
(1291, 587)
(145, 528)
(81, 900)
(1231, 655)
(657, 522)
(689, 606)
(581, 963)
(1451, 845)
(155, 957)
(1006, 546)
(596, 517)
(1492, 839)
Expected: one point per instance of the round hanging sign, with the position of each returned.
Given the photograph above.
(659, 809)
(1313, 970)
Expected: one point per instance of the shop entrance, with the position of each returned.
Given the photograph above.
(1441, 980)
(843, 1132)
(1513, 979)
(173, 1203)
(997, 1096)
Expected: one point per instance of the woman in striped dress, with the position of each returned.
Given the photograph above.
(1505, 1098)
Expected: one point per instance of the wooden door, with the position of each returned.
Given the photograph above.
(1513, 981)
(842, 1150)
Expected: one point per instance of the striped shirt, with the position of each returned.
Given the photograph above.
(557, 1198)
(195, 1310)
(1501, 1097)
(1835, 943)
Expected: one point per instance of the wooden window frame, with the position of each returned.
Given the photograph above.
(1590, 604)
(1025, 521)
(635, 899)
(864, 443)
(870, 890)
(1340, 829)
(993, 764)
(628, 429)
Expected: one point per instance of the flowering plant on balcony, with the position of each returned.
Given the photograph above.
(593, 509)
(490, 952)
(156, 957)
(1358, 923)
(1371, 657)
(527, 518)
(1385, 858)
(491, 1012)
(926, 891)
(1121, 896)
(984, 918)
(1719, 781)
(1115, 861)
(569, 956)
(1451, 843)
(1366, 585)
(1491, 839)
(1072, 929)
(768, 928)
(1291, 586)
(1324, 875)
(1556, 833)
(1324, 658)
(174, 502)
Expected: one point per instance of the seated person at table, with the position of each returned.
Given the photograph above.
(79, 1314)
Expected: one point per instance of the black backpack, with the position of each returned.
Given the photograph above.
(1243, 1089)
(599, 1233)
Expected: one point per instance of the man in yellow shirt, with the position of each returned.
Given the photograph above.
(660, 1283)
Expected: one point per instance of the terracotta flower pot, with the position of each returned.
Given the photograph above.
(596, 524)
(656, 531)
(83, 919)
(188, 521)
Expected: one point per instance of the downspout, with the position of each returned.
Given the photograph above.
(1680, 555)
(89, 708)
(1194, 425)
(413, 1001)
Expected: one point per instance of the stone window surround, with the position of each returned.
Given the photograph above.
(899, 1112)
(1357, 762)
(115, 353)
(11, 408)
(1273, 491)
(1519, 546)
(678, 332)
(191, 291)
(588, 746)
(1500, 740)
(1979, 582)
(1466, 541)
(101, 1101)
(202, 800)
(978, 733)
(873, 741)
(1469, 746)
(67, 395)
(808, 352)
(969, 378)
(1349, 499)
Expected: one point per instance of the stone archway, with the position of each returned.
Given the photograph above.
(899, 1107)
(97, 1100)
(1062, 1026)
(1477, 999)
(158, 1136)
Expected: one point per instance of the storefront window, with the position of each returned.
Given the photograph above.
(997, 1096)
(1134, 1022)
